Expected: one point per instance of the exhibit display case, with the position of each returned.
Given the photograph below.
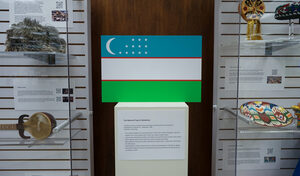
(257, 92)
(44, 82)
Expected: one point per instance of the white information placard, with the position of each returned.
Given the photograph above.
(41, 94)
(255, 74)
(252, 155)
(151, 134)
(47, 12)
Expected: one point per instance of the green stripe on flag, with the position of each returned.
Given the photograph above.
(151, 91)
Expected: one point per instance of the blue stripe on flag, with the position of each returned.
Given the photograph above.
(151, 46)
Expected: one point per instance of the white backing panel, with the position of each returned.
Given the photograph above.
(53, 157)
(228, 46)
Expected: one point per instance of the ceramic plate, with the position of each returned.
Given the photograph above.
(266, 114)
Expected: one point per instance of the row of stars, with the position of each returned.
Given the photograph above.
(139, 39)
(134, 52)
(140, 46)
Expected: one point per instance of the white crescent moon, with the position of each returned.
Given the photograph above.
(108, 46)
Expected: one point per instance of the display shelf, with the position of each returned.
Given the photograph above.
(275, 45)
(48, 57)
(53, 140)
(32, 142)
(270, 46)
(267, 130)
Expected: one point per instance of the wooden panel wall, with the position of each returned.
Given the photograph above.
(227, 47)
(50, 159)
(154, 17)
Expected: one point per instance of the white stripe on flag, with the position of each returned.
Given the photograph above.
(151, 69)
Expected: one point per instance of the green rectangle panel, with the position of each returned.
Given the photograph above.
(151, 91)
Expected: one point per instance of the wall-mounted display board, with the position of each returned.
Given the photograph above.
(44, 85)
(257, 90)
(151, 68)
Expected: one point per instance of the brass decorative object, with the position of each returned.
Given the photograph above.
(251, 11)
(296, 108)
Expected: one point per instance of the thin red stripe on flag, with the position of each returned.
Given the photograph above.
(151, 57)
(147, 80)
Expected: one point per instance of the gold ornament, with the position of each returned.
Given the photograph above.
(296, 108)
(251, 11)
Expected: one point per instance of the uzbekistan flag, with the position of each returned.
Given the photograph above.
(151, 68)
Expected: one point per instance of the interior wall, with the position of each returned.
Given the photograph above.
(155, 17)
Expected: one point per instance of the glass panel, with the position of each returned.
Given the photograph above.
(35, 89)
(77, 51)
(268, 87)
(228, 59)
